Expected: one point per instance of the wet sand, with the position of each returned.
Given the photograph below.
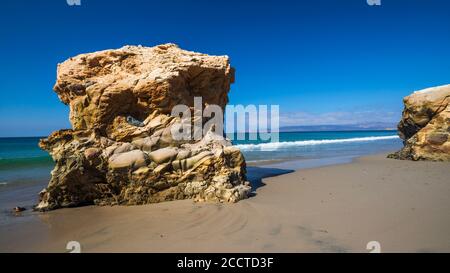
(403, 205)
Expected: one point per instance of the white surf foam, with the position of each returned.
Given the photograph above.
(288, 144)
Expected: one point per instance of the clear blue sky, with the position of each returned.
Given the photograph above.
(326, 61)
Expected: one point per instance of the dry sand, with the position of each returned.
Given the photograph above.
(403, 205)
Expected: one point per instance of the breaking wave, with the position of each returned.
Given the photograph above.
(288, 144)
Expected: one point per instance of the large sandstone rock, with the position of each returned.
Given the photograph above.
(425, 125)
(120, 149)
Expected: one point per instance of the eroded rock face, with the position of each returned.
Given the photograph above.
(425, 125)
(121, 150)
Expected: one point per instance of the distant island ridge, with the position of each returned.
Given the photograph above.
(379, 126)
(350, 127)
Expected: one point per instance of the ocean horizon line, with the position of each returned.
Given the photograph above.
(247, 132)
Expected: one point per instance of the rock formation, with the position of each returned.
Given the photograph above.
(121, 150)
(425, 125)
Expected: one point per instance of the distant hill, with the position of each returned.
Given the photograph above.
(350, 127)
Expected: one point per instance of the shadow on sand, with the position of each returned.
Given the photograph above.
(256, 174)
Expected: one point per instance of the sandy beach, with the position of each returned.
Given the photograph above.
(403, 205)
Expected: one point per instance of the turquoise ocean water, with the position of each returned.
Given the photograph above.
(320, 145)
(25, 168)
(23, 162)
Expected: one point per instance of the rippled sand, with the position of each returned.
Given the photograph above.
(403, 205)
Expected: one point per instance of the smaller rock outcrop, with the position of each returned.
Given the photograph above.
(425, 125)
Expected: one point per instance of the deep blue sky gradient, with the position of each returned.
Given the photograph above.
(320, 60)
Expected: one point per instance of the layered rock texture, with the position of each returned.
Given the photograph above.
(425, 125)
(121, 150)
